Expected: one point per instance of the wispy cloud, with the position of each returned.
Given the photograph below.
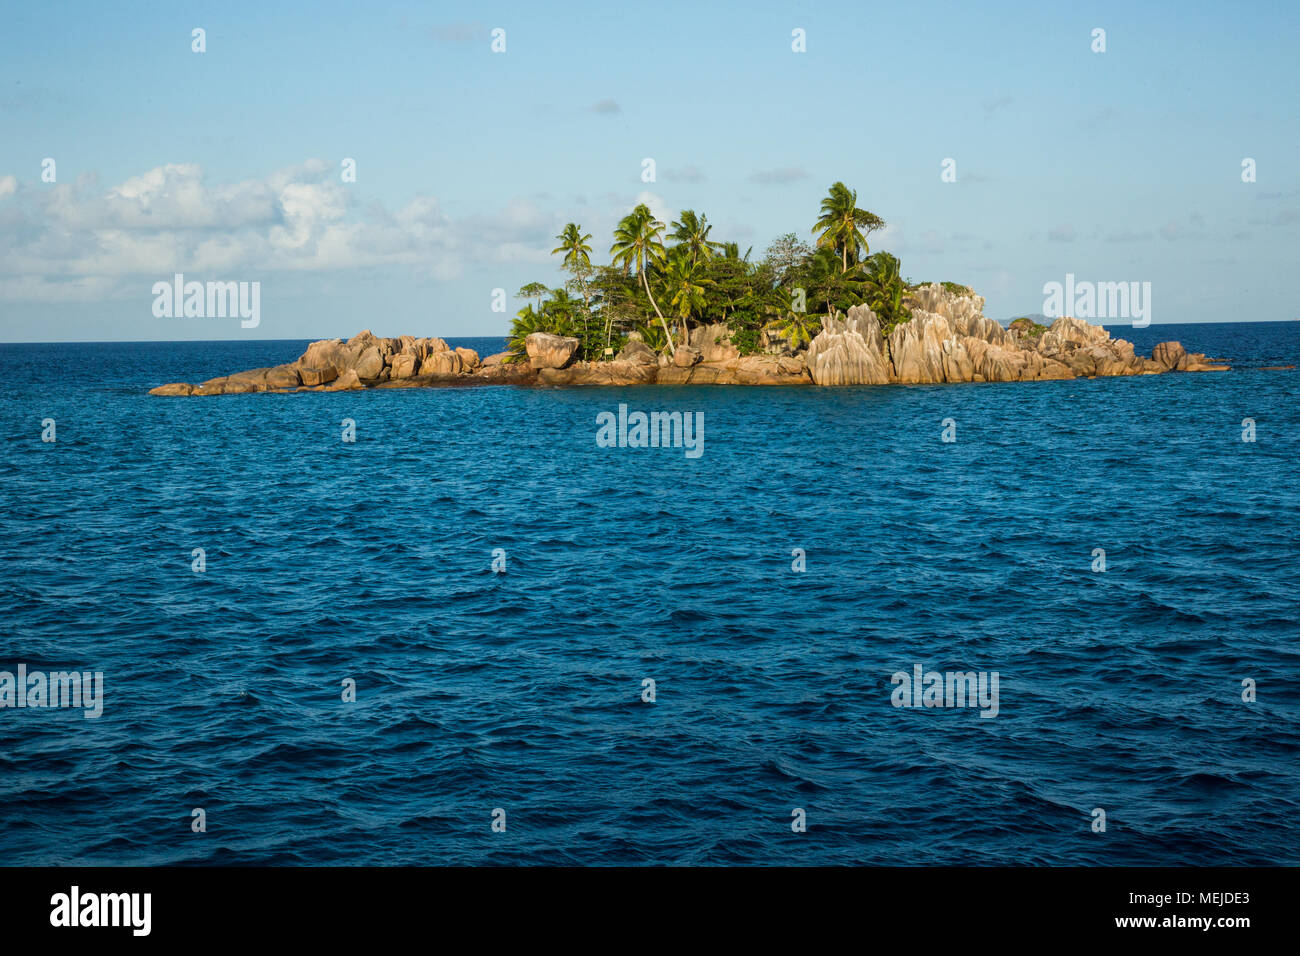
(78, 241)
(1129, 235)
(686, 174)
(606, 106)
(460, 33)
(776, 177)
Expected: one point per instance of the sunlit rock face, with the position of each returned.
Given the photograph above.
(949, 339)
(550, 351)
(714, 342)
(849, 351)
(917, 350)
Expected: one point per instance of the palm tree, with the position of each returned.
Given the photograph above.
(652, 336)
(796, 327)
(637, 245)
(843, 225)
(731, 250)
(692, 233)
(577, 259)
(685, 288)
(574, 246)
(527, 320)
(826, 284)
(560, 311)
(885, 291)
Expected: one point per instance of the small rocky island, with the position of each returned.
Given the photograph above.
(946, 339)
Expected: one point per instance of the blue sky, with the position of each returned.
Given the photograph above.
(1115, 166)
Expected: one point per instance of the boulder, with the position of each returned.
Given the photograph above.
(283, 376)
(370, 364)
(362, 340)
(638, 352)
(427, 346)
(686, 356)
(312, 376)
(468, 357)
(348, 381)
(550, 351)
(330, 356)
(1168, 354)
(441, 363)
(402, 365)
(497, 358)
(714, 342)
(252, 380)
(173, 388)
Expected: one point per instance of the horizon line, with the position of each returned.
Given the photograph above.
(506, 335)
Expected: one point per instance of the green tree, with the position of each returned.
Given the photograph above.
(562, 312)
(574, 246)
(684, 288)
(691, 233)
(731, 250)
(637, 247)
(793, 325)
(534, 290)
(885, 291)
(843, 226)
(786, 256)
(618, 297)
(577, 259)
(827, 288)
(526, 321)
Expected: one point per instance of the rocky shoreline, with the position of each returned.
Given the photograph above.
(948, 339)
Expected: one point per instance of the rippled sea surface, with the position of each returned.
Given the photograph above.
(476, 690)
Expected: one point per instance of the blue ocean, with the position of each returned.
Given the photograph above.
(518, 696)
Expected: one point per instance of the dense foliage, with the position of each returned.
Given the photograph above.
(665, 279)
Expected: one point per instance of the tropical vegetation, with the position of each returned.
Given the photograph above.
(664, 279)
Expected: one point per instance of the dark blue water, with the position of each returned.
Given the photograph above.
(372, 561)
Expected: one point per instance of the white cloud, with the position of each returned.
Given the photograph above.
(79, 241)
(778, 177)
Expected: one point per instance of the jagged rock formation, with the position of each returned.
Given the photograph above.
(948, 339)
(849, 351)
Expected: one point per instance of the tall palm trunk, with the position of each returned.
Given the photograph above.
(667, 334)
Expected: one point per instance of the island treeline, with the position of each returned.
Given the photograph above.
(664, 277)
